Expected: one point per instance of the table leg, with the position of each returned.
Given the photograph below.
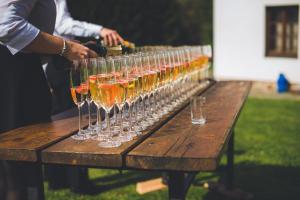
(179, 184)
(34, 181)
(24, 180)
(176, 186)
(230, 162)
(78, 179)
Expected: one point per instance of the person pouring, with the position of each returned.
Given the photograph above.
(26, 34)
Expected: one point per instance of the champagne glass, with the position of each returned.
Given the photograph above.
(137, 65)
(162, 83)
(91, 65)
(121, 64)
(147, 79)
(185, 65)
(108, 89)
(180, 79)
(207, 51)
(169, 77)
(175, 73)
(143, 84)
(94, 80)
(132, 94)
(79, 92)
(155, 69)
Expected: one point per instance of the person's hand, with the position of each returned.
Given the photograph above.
(77, 51)
(111, 37)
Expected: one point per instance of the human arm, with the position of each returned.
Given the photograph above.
(15, 31)
(17, 34)
(45, 43)
(111, 37)
(67, 26)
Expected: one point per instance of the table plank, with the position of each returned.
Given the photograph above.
(24, 143)
(181, 146)
(88, 153)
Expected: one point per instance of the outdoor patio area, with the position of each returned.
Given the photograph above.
(150, 100)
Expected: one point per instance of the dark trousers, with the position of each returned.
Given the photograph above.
(25, 100)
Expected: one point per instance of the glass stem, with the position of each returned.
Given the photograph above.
(152, 103)
(162, 95)
(89, 112)
(121, 121)
(99, 121)
(155, 102)
(136, 112)
(148, 107)
(79, 118)
(115, 116)
(130, 116)
(167, 94)
(108, 123)
(171, 93)
(144, 109)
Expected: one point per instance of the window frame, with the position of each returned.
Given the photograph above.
(284, 10)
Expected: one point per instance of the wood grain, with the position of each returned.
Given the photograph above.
(24, 144)
(88, 153)
(181, 146)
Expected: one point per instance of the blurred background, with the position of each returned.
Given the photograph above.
(150, 22)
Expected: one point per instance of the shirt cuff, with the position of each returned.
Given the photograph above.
(25, 37)
(93, 29)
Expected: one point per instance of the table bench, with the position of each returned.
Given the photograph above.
(172, 145)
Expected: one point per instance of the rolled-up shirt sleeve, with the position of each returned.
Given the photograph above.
(66, 26)
(15, 30)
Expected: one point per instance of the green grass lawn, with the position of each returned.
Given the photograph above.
(267, 159)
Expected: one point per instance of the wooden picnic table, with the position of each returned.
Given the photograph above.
(172, 145)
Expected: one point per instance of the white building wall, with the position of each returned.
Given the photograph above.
(239, 42)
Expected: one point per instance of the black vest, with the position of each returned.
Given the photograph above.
(24, 93)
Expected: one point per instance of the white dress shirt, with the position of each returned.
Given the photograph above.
(22, 20)
(67, 27)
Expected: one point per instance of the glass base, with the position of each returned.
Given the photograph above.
(109, 144)
(92, 127)
(99, 137)
(138, 128)
(125, 124)
(160, 113)
(137, 133)
(134, 132)
(116, 130)
(156, 116)
(80, 136)
(89, 132)
(199, 121)
(124, 137)
(146, 124)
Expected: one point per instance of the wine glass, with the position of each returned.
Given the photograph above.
(147, 82)
(179, 63)
(169, 77)
(94, 81)
(175, 72)
(91, 65)
(121, 73)
(162, 83)
(207, 51)
(79, 92)
(155, 69)
(137, 66)
(132, 94)
(108, 89)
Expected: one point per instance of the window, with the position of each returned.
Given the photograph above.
(282, 31)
